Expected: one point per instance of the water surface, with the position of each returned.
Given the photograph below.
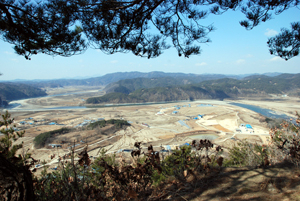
(263, 111)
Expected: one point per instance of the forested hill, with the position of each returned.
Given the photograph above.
(14, 91)
(186, 92)
(129, 85)
(281, 84)
(140, 90)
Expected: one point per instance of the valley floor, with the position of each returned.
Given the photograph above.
(155, 124)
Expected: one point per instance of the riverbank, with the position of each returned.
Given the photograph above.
(288, 106)
(72, 98)
(158, 124)
(57, 99)
(281, 109)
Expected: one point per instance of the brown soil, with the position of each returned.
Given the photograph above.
(221, 128)
(197, 132)
(192, 124)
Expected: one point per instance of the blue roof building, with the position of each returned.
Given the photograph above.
(248, 126)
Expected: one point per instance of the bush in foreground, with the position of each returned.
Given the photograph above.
(248, 154)
(106, 179)
(145, 177)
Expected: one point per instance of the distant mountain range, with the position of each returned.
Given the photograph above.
(114, 77)
(187, 88)
(154, 86)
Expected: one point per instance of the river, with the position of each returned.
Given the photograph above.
(15, 106)
(263, 111)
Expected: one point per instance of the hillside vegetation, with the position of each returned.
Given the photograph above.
(41, 139)
(172, 89)
(187, 92)
(13, 91)
(119, 123)
(170, 79)
(129, 85)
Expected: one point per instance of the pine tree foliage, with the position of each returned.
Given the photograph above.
(287, 43)
(10, 135)
(144, 27)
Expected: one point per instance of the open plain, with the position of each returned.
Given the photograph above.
(158, 124)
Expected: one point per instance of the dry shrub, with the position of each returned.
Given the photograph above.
(248, 154)
(285, 142)
(106, 179)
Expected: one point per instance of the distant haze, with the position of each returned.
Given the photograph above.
(135, 74)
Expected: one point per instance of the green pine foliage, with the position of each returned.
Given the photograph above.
(41, 139)
(96, 124)
(247, 154)
(10, 135)
(119, 123)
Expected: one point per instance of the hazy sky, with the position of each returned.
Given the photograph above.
(233, 50)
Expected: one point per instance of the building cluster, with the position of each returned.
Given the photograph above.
(176, 107)
(31, 121)
(245, 128)
(87, 121)
(55, 145)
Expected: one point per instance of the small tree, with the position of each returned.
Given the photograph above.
(6, 148)
(15, 177)
(285, 142)
(245, 153)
